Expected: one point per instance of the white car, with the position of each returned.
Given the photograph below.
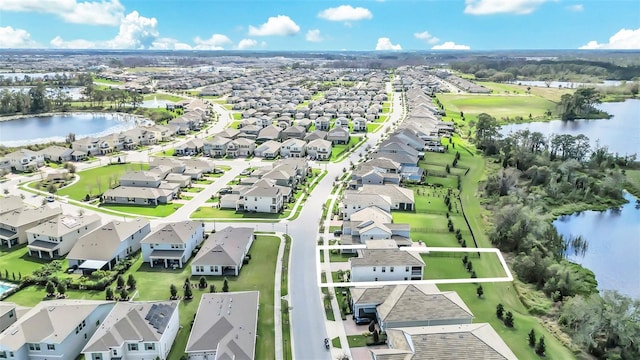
(50, 198)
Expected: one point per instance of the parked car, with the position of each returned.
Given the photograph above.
(224, 191)
(50, 198)
(337, 233)
(362, 320)
(326, 343)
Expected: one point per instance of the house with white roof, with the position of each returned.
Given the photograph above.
(56, 236)
(135, 330)
(172, 244)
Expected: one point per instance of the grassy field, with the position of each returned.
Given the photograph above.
(98, 80)
(163, 97)
(373, 127)
(340, 149)
(209, 212)
(451, 267)
(498, 105)
(161, 210)
(154, 283)
(89, 180)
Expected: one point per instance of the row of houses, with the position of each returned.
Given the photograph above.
(268, 188)
(108, 330)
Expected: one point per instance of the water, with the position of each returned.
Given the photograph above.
(4, 288)
(614, 245)
(621, 133)
(565, 84)
(33, 130)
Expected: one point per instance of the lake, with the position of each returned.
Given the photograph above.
(614, 245)
(565, 84)
(42, 129)
(621, 133)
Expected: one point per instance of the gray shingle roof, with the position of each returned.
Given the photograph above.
(173, 233)
(224, 247)
(386, 257)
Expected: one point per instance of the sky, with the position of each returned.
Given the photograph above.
(317, 25)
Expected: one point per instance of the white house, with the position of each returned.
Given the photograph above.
(382, 260)
(261, 199)
(224, 252)
(135, 331)
(225, 327)
(319, 149)
(56, 329)
(107, 245)
(25, 160)
(172, 243)
(241, 147)
(56, 236)
(293, 148)
(354, 201)
(15, 223)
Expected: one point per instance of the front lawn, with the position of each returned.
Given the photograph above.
(340, 149)
(161, 210)
(373, 127)
(209, 212)
(95, 181)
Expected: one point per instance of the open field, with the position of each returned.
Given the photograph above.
(90, 179)
(162, 210)
(341, 149)
(163, 97)
(154, 283)
(498, 106)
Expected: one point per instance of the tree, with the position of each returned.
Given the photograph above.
(62, 288)
(119, 282)
(541, 348)
(202, 282)
(124, 294)
(108, 294)
(487, 133)
(212, 288)
(225, 286)
(469, 266)
(188, 294)
(131, 282)
(174, 291)
(71, 137)
(50, 288)
(499, 311)
(532, 338)
(508, 319)
(479, 291)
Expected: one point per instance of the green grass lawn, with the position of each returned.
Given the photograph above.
(166, 97)
(237, 116)
(193, 189)
(340, 149)
(89, 180)
(498, 105)
(337, 257)
(98, 80)
(17, 260)
(162, 210)
(209, 212)
(166, 152)
(451, 267)
(373, 127)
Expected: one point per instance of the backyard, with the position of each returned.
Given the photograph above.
(96, 180)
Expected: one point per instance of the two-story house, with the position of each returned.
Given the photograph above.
(172, 244)
(382, 260)
(241, 147)
(319, 149)
(216, 147)
(15, 223)
(25, 160)
(261, 199)
(55, 329)
(56, 236)
(293, 148)
(135, 330)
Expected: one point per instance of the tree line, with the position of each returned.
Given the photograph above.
(80, 79)
(536, 176)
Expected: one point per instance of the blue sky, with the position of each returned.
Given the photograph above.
(320, 25)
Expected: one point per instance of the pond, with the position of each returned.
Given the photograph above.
(565, 84)
(42, 129)
(614, 245)
(621, 133)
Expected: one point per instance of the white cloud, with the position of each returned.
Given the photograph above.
(384, 43)
(105, 12)
(487, 7)
(450, 45)
(247, 44)
(136, 32)
(626, 39)
(280, 25)
(313, 35)
(15, 38)
(576, 8)
(215, 42)
(425, 36)
(169, 44)
(345, 13)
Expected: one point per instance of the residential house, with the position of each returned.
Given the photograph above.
(342, 122)
(104, 247)
(192, 165)
(467, 341)
(190, 147)
(216, 147)
(293, 148)
(87, 145)
(401, 198)
(175, 165)
(56, 236)
(360, 124)
(55, 329)
(270, 132)
(25, 160)
(148, 179)
(294, 132)
(229, 133)
(138, 195)
(268, 150)
(322, 123)
(241, 147)
(181, 179)
(316, 134)
(225, 327)
(14, 224)
(172, 244)
(319, 149)
(135, 330)
(406, 305)
(8, 314)
(354, 201)
(382, 260)
(261, 199)
(224, 252)
(10, 203)
(338, 135)
(372, 223)
(57, 154)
